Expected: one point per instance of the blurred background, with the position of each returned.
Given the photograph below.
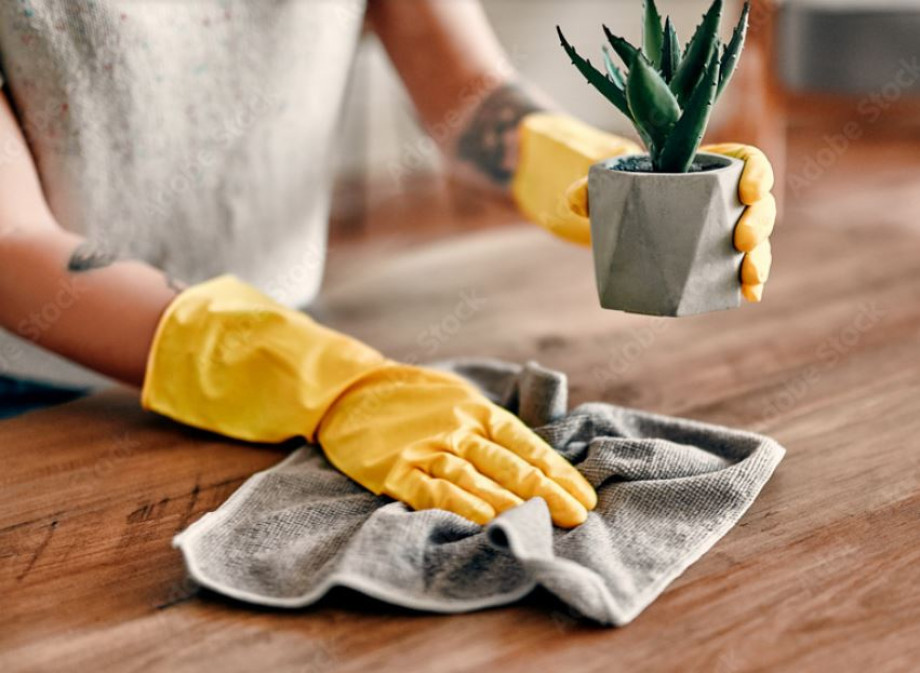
(829, 88)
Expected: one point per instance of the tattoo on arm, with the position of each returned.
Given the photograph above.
(488, 141)
(88, 256)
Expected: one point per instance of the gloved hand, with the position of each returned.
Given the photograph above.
(228, 359)
(554, 151)
(430, 439)
(550, 187)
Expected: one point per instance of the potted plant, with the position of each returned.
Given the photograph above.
(662, 222)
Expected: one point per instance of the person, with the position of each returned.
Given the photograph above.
(144, 142)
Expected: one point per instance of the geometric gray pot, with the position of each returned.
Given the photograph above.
(663, 242)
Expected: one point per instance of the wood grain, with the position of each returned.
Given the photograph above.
(822, 574)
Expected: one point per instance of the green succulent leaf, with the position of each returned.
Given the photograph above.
(670, 53)
(653, 38)
(613, 72)
(699, 51)
(733, 50)
(680, 149)
(667, 92)
(654, 108)
(595, 77)
(626, 51)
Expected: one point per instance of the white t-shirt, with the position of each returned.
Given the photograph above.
(196, 135)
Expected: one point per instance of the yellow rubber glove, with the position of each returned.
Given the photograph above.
(430, 439)
(554, 151)
(752, 233)
(550, 187)
(228, 359)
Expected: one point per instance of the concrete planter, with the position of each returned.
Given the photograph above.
(663, 242)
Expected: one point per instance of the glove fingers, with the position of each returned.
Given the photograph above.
(421, 491)
(756, 224)
(757, 179)
(755, 267)
(456, 470)
(753, 293)
(523, 479)
(510, 432)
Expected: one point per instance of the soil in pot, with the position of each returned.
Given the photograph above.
(642, 163)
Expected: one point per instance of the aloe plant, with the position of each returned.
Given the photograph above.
(667, 92)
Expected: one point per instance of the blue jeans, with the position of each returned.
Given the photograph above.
(18, 396)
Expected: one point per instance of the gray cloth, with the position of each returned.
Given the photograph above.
(668, 490)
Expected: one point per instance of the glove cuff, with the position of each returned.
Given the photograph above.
(555, 151)
(228, 359)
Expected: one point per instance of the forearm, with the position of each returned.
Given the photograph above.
(488, 142)
(60, 292)
(468, 96)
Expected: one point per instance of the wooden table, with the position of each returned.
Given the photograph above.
(822, 574)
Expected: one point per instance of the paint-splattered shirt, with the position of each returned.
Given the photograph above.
(196, 135)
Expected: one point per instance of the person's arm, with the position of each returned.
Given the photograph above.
(460, 79)
(61, 291)
(223, 357)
